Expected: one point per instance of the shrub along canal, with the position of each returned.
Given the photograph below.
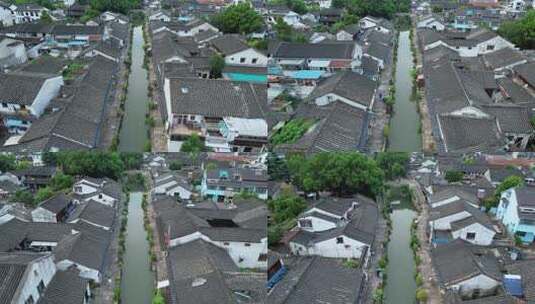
(137, 285)
(405, 122)
(134, 132)
(138, 279)
(400, 282)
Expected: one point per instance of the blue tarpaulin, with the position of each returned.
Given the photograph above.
(513, 285)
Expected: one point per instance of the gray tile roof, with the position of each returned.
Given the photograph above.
(514, 92)
(512, 119)
(229, 44)
(217, 98)
(350, 85)
(458, 261)
(524, 268)
(314, 51)
(468, 134)
(196, 273)
(503, 58)
(66, 287)
(13, 267)
(525, 71)
(77, 126)
(338, 284)
(56, 203)
(98, 213)
(20, 88)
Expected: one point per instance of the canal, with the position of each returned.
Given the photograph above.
(405, 122)
(134, 132)
(401, 285)
(138, 279)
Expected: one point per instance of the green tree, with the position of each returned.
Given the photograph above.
(7, 162)
(22, 196)
(421, 295)
(343, 173)
(239, 18)
(193, 145)
(508, 183)
(393, 164)
(90, 163)
(43, 194)
(131, 160)
(46, 18)
(453, 176)
(118, 6)
(61, 181)
(286, 207)
(277, 168)
(520, 32)
(217, 64)
(175, 165)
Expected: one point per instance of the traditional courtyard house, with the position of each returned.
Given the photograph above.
(24, 97)
(239, 229)
(466, 269)
(197, 106)
(79, 291)
(25, 276)
(173, 185)
(470, 44)
(460, 220)
(516, 211)
(229, 179)
(217, 279)
(101, 190)
(524, 74)
(7, 15)
(29, 12)
(161, 16)
(330, 16)
(317, 56)
(342, 228)
(378, 24)
(237, 52)
(301, 283)
(95, 214)
(53, 210)
(504, 59)
(348, 87)
(76, 34)
(431, 23)
(12, 52)
(348, 33)
(36, 177)
(115, 17)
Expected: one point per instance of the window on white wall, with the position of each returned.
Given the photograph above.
(339, 240)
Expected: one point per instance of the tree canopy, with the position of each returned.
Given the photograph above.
(90, 163)
(361, 8)
(343, 173)
(239, 18)
(193, 145)
(393, 164)
(118, 6)
(521, 32)
(217, 64)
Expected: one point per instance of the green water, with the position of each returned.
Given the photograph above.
(405, 122)
(138, 279)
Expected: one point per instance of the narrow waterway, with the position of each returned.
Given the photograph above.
(400, 286)
(134, 136)
(138, 279)
(405, 122)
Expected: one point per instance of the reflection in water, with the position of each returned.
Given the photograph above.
(133, 130)
(404, 135)
(138, 279)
